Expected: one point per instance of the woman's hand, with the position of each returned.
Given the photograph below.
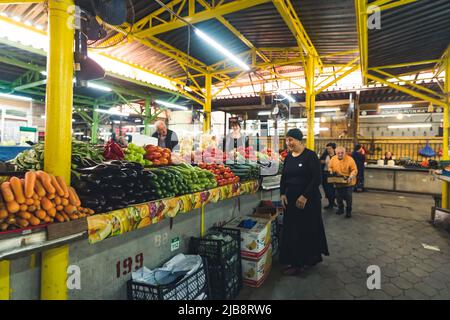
(284, 201)
(301, 202)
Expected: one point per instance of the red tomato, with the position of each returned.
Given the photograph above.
(164, 161)
(156, 162)
(157, 155)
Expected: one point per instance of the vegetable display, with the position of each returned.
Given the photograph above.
(182, 179)
(157, 155)
(222, 174)
(37, 199)
(113, 151)
(134, 153)
(245, 171)
(115, 185)
(83, 155)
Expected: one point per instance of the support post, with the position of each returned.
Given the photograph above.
(208, 102)
(146, 118)
(310, 100)
(4, 280)
(445, 185)
(94, 127)
(58, 131)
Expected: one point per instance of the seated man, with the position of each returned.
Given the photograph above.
(166, 137)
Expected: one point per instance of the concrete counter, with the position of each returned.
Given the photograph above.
(400, 179)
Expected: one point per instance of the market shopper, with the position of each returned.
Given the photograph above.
(387, 157)
(360, 159)
(303, 239)
(328, 188)
(344, 166)
(235, 139)
(166, 137)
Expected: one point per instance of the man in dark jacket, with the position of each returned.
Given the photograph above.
(166, 138)
(360, 158)
(328, 188)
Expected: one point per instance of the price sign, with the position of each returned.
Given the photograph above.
(129, 264)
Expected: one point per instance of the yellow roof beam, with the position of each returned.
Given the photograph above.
(290, 17)
(361, 26)
(389, 4)
(406, 64)
(207, 14)
(6, 2)
(413, 93)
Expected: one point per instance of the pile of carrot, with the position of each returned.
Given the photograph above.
(38, 199)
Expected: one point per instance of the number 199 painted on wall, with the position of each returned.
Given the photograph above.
(127, 265)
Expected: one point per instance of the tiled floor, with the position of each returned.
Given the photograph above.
(388, 230)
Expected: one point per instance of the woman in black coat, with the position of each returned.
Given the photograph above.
(303, 241)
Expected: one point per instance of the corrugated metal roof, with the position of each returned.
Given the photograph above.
(413, 32)
(331, 26)
(367, 96)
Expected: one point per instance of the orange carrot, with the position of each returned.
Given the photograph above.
(46, 204)
(39, 188)
(63, 185)
(7, 193)
(16, 187)
(55, 184)
(30, 181)
(73, 197)
(13, 206)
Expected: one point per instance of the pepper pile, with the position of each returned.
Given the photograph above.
(38, 199)
(113, 151)
(223, 175)
(157, 155)
(134, 153)
(115, 185)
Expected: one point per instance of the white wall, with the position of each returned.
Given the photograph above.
(379, 126)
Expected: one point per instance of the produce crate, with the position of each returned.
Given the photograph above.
(224, 262)
(192, 287)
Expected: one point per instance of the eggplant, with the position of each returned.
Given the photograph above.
(130, 172)
(116, 162)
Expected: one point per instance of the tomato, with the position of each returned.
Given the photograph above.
(156, 162)
(157, 155)
(166, 150)
(165, 155)
(150, 148)
(164, 161)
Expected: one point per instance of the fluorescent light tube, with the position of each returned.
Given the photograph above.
(395, 106)
(284, 94)
(14, 97)
(264, 113)
(98, 87)
(404, 126)
(327, 110)
(220, 48)
(170, 105)
(114, 113)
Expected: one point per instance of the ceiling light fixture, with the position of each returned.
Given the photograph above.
(221, 49)
(327, 110)
(284, 94)
(405, 126)
(171, 105)
(113, 113)
(395, 106)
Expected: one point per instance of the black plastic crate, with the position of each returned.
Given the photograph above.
(217, 251)
(224, 262)
(192, 287)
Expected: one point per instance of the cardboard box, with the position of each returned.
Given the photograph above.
(254, 240)
(265, 211)
(255, 271)
(338, 180)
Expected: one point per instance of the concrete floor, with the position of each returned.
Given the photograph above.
(388, 230)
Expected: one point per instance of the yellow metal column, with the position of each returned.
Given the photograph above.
(58, 130)
(208, 103)
(310, 100)
(4, 280)
(445, 189)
